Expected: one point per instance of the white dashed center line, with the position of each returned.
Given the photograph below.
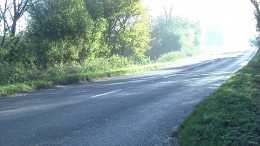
(136, 81)
(103, 94)
(169, 76)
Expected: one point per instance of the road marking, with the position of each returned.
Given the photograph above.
(169, 76)
(54, 93)
(169, 82)
(79, 92)
(103, 94)
(121, 83)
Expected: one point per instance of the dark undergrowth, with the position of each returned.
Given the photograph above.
(231, 116)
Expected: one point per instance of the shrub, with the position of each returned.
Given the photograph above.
(13, 73)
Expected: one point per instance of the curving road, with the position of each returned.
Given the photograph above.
(139, 109)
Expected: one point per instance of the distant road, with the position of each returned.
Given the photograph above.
(136, 110)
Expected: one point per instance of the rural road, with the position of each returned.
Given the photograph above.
(133, 110)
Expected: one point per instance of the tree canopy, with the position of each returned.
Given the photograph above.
(80, 33)
(73, 30)
(172, 34)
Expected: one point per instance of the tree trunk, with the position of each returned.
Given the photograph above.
(257, 13)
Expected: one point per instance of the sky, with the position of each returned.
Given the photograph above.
(234, 19)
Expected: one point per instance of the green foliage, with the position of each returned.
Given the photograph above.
(18, 73)
(127, 26)
(59, 76)
(76, 30)
(173, 34)
(67, 39)
(90, 65)
(176, 55)
(164, 38)
(10, 14)
(62, 31)
(59, 19)
(230, 116)
(134, 40)
(13, 73)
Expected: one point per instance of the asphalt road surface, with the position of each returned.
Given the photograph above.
(139, 109)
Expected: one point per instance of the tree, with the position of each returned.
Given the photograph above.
(123, 21)
(164, 38)
(257, 17)
(257, 13)
(62, 31)
(172, 34)
(11, 13)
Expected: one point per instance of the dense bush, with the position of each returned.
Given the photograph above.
(13, 73)
(17, 73)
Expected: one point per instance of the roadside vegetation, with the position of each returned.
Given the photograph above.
(68, 41)
(230, 116)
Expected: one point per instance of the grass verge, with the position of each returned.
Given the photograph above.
(231, 116)
(14, 88)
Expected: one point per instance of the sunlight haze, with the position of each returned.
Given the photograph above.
(234, 19)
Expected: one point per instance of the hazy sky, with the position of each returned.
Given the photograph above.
(233, 18)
